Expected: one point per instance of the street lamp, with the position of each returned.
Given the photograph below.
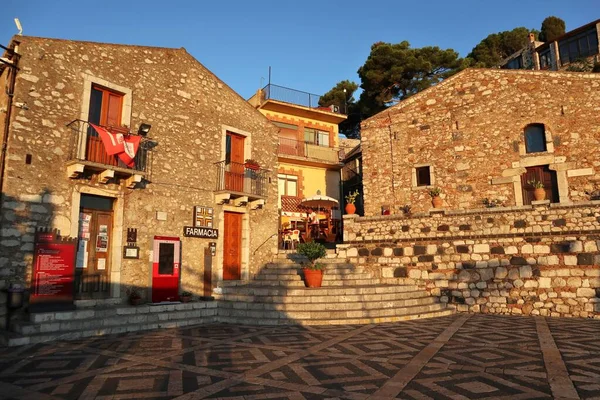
(345, 102)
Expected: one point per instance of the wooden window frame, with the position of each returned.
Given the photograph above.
(286, 178)
(417, 182)
(106, 93)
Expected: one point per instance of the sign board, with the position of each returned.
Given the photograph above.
(53, 269)
(203, 217)
(206, 233)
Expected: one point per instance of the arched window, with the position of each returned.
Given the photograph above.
(535, 138)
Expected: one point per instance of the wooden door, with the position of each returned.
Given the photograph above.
(234, 174)
(232, 246)
(94, 254)
(543, 174)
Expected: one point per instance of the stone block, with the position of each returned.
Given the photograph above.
(570, 260)
(481, 248)
(586, 292)
(585, 259)
(544, 283)
(541, 249)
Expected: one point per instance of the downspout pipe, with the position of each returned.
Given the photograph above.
(10, 92)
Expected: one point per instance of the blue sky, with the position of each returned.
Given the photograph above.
(310, 45)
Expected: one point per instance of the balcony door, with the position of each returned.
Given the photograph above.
(234, 160)
(541, 173)
(105, 110)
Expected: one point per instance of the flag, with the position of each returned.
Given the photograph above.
(130, 148)
(113, 142)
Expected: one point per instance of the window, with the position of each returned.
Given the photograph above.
(535, 138)
(105, 107)
(545, 59)
(515, 63)
(423, 176)
(288, 185)
(578, 46)
(317, 137)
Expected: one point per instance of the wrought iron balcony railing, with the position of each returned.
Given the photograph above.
(87, 146)
(307, 150)
(275, 92)
(239, 179)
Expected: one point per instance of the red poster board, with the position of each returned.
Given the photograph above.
(53, 269)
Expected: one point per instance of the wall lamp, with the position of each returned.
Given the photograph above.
(144, 129)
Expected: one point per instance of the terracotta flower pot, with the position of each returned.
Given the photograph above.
(313, 278)
(437, 202)
(539, 194)
(350, 208)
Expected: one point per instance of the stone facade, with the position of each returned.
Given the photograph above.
(539, 260)
(190, 111)
(469, 130)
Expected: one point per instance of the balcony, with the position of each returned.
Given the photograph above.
(305, 151)
(88, 156)
(239, 185)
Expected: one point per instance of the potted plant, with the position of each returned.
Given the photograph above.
(185, 296)
(539, 193)
(252, 164)
(313, 272)
(134, 297)
(350, 200)
(436, 200)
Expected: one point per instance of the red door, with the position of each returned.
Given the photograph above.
(541, 173)
(165, 269)
(234, 175)
(232, 246)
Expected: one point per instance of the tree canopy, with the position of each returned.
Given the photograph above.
(552, 27)
(393, 72)
(497, 46)
(338, 96)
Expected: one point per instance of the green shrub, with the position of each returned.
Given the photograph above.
(312, 251)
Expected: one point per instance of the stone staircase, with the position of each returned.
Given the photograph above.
(349, 295)
(96, 318)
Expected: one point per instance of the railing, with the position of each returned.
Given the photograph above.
(297, 148)
(86, 145)
(292, 96)
(236, 177)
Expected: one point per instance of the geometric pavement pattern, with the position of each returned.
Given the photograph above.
(455, 357)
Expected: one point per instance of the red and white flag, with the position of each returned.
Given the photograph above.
(130, 147)
(113, 142)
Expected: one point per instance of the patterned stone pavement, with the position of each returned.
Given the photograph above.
(456, 357)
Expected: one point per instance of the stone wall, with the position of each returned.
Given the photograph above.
(189, 109)
(539, 260)
(470, 130)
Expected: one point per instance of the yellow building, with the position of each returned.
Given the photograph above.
(309, 155)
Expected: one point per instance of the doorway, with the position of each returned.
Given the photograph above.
(541, 173)
(92, 274)
(166, 259)
(234, 160)
(232, 246)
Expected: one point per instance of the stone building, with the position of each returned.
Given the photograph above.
(484, 137)
(309, 153)
(194, 135)
(576, 50)
(485, 134)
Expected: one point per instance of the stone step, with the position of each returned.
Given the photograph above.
(327, 306)
(349, 282)
(288, 268)
(330, 314)
(304, 299)
(440, 312)
(327, 276)
(57, 326)
(298, 283)
(254, 289)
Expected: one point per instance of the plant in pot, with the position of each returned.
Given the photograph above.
(185, 296)
(436, 200)
(313, 271)
(134, 297)
(350, 200)
(539, 193)
(252, 164)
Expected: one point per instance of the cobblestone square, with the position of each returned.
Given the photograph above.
(456, 357)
